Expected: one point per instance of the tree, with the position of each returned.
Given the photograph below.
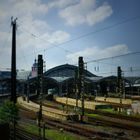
(9, 112)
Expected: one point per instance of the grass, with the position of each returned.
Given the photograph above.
(93, 115)
(123, 113)
(51, 133)
(110, 110)
(57, 135)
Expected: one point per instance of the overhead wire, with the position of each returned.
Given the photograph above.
(6, 40)
(115, 72)
(4, 45)
(53, 44)
(84, 35)
(112, 57)
(102, 29)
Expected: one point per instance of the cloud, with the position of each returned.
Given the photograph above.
(32, 6)
(100, 14)
(34, 34)
(22, 8)
(86, 11)
(58, 37)
(39, 36)
(98, 53)
(61, 3)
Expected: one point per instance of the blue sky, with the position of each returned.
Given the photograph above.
(62, 30)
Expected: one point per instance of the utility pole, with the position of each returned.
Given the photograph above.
(40, 74)
(28, 90)
(40, 119)
(67, 97)
(81, 83)
(120, 83)
(13, 62)
(13, 71)
(76, 87)
(40, 90)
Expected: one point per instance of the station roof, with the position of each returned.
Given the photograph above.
(65, 70)
(60, 79)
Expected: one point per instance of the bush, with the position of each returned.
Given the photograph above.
(9, 112)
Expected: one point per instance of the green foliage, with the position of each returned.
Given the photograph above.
(51, 133)
(93, 115)
(110, 110)
(8, 112)
(57, 135)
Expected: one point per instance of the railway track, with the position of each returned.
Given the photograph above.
(56, 105)
(118, 123)
(82, 130)
(77, 128)
(24, 135)
(99, 121)
(119, 116)
(107, 114)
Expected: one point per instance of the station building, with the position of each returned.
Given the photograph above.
(60, 80)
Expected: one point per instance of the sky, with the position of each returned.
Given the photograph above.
(63, 30)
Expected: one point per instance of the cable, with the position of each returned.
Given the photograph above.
(101, 30)
(54, 45)
(112, 57)
(115, 72)
(135, 69)
(84, 35)
(6, 40)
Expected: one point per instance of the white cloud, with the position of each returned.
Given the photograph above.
(100, 14)
(37, 35)
(98, 53)
(86, 11)
(22, 8)
(61, 3)
(34, 34)
(58, 37)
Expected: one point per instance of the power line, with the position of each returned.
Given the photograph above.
(112, 57)
(54, 45)
(115, 72)
(6, 40)
(84, 35)
(102, 29)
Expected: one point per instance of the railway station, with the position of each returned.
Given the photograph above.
(69, 70)
(57, 95)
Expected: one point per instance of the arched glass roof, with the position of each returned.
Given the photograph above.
(65, 71)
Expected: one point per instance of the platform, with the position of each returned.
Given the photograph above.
(114, 100)
(87, 104)
(47, 111)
